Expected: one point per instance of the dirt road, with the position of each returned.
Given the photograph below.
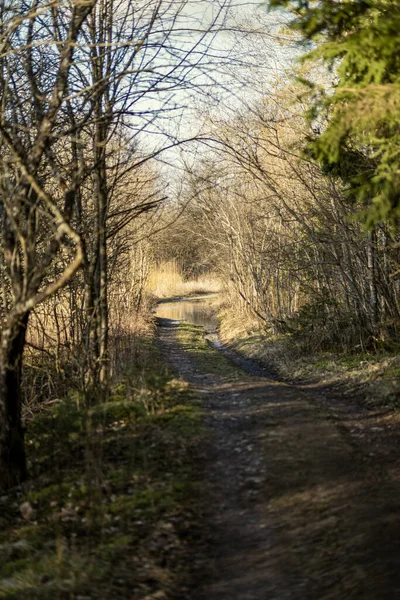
(303, 488)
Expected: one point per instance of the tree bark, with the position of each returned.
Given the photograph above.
(13, 468)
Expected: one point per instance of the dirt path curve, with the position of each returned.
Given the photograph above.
(299, 506)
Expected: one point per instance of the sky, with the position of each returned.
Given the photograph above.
(228, 70)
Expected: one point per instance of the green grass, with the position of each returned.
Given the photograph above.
(191, 338)
(111, 486)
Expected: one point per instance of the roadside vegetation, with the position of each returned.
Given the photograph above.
(371, 377)
(113, 500)
(295, 205)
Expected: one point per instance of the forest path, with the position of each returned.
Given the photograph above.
(298, 504)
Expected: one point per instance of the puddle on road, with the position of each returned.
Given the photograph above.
(197, 310)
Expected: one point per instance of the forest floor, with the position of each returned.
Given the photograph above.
(300, 484)
(110, 508)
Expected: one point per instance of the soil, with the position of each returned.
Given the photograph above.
(302, 486)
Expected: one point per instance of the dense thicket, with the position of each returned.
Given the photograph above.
(80, 81)
(282, 233)
(298, 195)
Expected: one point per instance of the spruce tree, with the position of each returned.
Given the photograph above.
(360, 114)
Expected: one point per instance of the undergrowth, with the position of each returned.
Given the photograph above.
(107, 512)
(373, 376)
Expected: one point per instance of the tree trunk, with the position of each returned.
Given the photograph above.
(12, 448)
(372, 276)
(101, 32)
(91, 362)
(102, 283)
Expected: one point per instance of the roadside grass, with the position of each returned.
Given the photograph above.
(191, 338)
(109, 510)
(375, 377)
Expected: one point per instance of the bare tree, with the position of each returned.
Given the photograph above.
(140, 62)
(35, 213)
(286, 242)
(79, 81)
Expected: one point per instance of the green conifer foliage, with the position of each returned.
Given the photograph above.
(359, 41)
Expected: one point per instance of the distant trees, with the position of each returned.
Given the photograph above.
(299, 194)
(281, 234)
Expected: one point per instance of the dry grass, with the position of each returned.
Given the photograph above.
(55, 358)
(166, 281)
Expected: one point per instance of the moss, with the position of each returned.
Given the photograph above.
(352, 361)
(12, 566)
(40, 578)
(34, 534)
(50, 493)
(191, 337)
(183, 420)
(112, 549)
(120, 390)
(21, 586)
(117, 409)
(392, 373)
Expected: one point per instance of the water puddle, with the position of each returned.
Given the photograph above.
(196, 310)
